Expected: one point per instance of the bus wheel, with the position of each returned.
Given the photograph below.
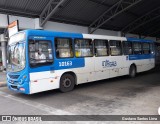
(67, 83)
(132, 71)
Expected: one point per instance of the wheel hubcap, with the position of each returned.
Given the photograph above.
(66, 82)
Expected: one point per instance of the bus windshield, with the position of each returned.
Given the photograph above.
(16, 55)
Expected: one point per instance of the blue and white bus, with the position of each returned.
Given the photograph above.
(41, 60)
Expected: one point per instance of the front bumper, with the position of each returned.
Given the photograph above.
(21, 88)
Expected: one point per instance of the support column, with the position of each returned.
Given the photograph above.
(4, 53)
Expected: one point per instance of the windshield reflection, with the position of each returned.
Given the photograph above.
(16, 57)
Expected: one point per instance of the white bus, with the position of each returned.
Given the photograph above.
(43, 60)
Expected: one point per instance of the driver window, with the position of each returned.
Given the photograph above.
(40, 52)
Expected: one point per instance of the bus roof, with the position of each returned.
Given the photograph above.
(68, 34)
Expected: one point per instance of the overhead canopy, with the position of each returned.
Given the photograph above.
(129, 16)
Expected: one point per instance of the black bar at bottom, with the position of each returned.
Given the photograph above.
(79, 118)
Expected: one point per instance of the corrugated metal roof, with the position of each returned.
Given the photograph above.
(84, 12)
(37, 6)
(2, 2)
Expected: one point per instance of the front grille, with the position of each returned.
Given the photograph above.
(14, 76)
(13, 82)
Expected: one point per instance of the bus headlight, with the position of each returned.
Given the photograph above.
(23, 79)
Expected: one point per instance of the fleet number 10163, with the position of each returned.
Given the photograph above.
(65, 63)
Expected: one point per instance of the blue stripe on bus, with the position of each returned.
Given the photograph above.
(139, 40)
(139, 57)
(60, 64)
(69, 63)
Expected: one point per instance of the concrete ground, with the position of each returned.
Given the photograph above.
(117, 96)
(2, 79)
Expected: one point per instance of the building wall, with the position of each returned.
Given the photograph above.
(76, 29)
(24, 23)
(81, 29)
(4, 21)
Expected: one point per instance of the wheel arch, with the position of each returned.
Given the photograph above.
(71, 73)
(133, 64)
(132, 70)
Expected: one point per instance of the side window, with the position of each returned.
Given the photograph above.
(101, 47)
(137, 48)
(127, 48)
(83, 48)
(146, 48)
(63, 47)
(40, 52)
(115, 47)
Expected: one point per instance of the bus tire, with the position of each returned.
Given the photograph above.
(132, 71)
(67, 83)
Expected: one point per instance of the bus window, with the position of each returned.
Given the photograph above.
(101, 47)
(115, 47)
(40, 53)
(127, 48)
(83, 48)
(63, 48)
(146, 49)
(137, 47)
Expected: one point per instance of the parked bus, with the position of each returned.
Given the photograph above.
(41, 60)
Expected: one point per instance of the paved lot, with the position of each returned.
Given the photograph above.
(2, 79)
(122, 95)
